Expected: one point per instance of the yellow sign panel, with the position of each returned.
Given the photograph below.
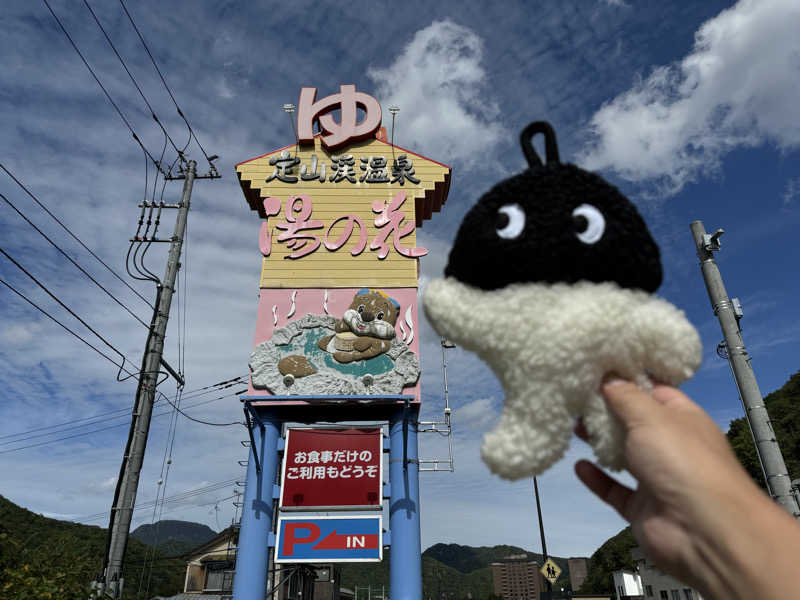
(346, 219)
(550, 570)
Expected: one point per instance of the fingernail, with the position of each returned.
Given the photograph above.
(614, 380)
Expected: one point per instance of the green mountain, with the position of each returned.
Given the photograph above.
(467, 559)
(451, 569)
(783, 406)
(47, 559)
(172, 537)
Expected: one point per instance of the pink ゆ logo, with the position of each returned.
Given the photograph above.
(335, 135)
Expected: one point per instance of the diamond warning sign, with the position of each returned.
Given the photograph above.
(550, 570)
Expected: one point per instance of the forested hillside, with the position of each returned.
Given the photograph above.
(47, 559)
(613, 555)
(783, 406)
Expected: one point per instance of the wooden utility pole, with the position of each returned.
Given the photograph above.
(111, 580)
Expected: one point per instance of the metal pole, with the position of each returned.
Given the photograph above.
(447, 344)
(250, 578)
(777, 477)
(125, 496)
(548, 585)
(405, 566)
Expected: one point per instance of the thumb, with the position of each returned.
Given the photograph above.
(629, 402)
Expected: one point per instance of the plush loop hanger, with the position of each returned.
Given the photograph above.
(550, 144)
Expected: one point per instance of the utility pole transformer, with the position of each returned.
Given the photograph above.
(125, 496)
(769, 453)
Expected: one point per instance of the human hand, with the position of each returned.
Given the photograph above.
(693, 498)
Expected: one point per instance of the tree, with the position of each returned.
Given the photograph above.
(783, 406)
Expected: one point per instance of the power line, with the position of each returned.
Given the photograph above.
(69, 310)
(173, 509)
(51, 317)
(92, 431)
(124, 415)
(169, 91)
(70, 259)
(161, 489)
(198, 420)
(104, 417)
(61, 439)
(75, 237)
(196, 393)
(179, 497)
(133, 79)
(102, 87)
(24, 436)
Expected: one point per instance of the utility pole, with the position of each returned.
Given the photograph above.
(767, 449)
(111, 580)
(548, 585)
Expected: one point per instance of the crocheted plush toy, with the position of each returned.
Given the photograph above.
(550, 281)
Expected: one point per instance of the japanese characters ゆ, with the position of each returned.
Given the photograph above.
(365, 330)
(550, 281)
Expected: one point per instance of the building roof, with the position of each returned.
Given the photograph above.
(210, 544)
(516, 558)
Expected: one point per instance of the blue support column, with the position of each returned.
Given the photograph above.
(250, 579)
(405, 568)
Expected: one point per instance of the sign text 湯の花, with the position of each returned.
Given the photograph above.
(297, 231)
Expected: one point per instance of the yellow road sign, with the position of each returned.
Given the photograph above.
(550, 570)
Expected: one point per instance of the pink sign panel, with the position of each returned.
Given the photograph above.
(332, 469)
(314, 342)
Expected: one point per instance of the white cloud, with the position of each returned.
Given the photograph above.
(441, 70)
(738, 87)
(103, 485)
(791, 192)
(478, 413)
(20, 333)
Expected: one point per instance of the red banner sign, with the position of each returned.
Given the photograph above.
(332, 468)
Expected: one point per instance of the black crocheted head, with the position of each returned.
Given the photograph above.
(553, 223)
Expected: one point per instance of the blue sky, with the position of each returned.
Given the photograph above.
(688, 107)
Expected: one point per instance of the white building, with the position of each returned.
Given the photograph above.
(657, 585)
(627, 585)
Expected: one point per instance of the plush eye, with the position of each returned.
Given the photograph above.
(360, 308)
(380, 316)
(590, 224)
(510, 221)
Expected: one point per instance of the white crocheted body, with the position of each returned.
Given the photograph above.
(550, 345)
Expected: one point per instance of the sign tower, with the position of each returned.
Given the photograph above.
(337, 340)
